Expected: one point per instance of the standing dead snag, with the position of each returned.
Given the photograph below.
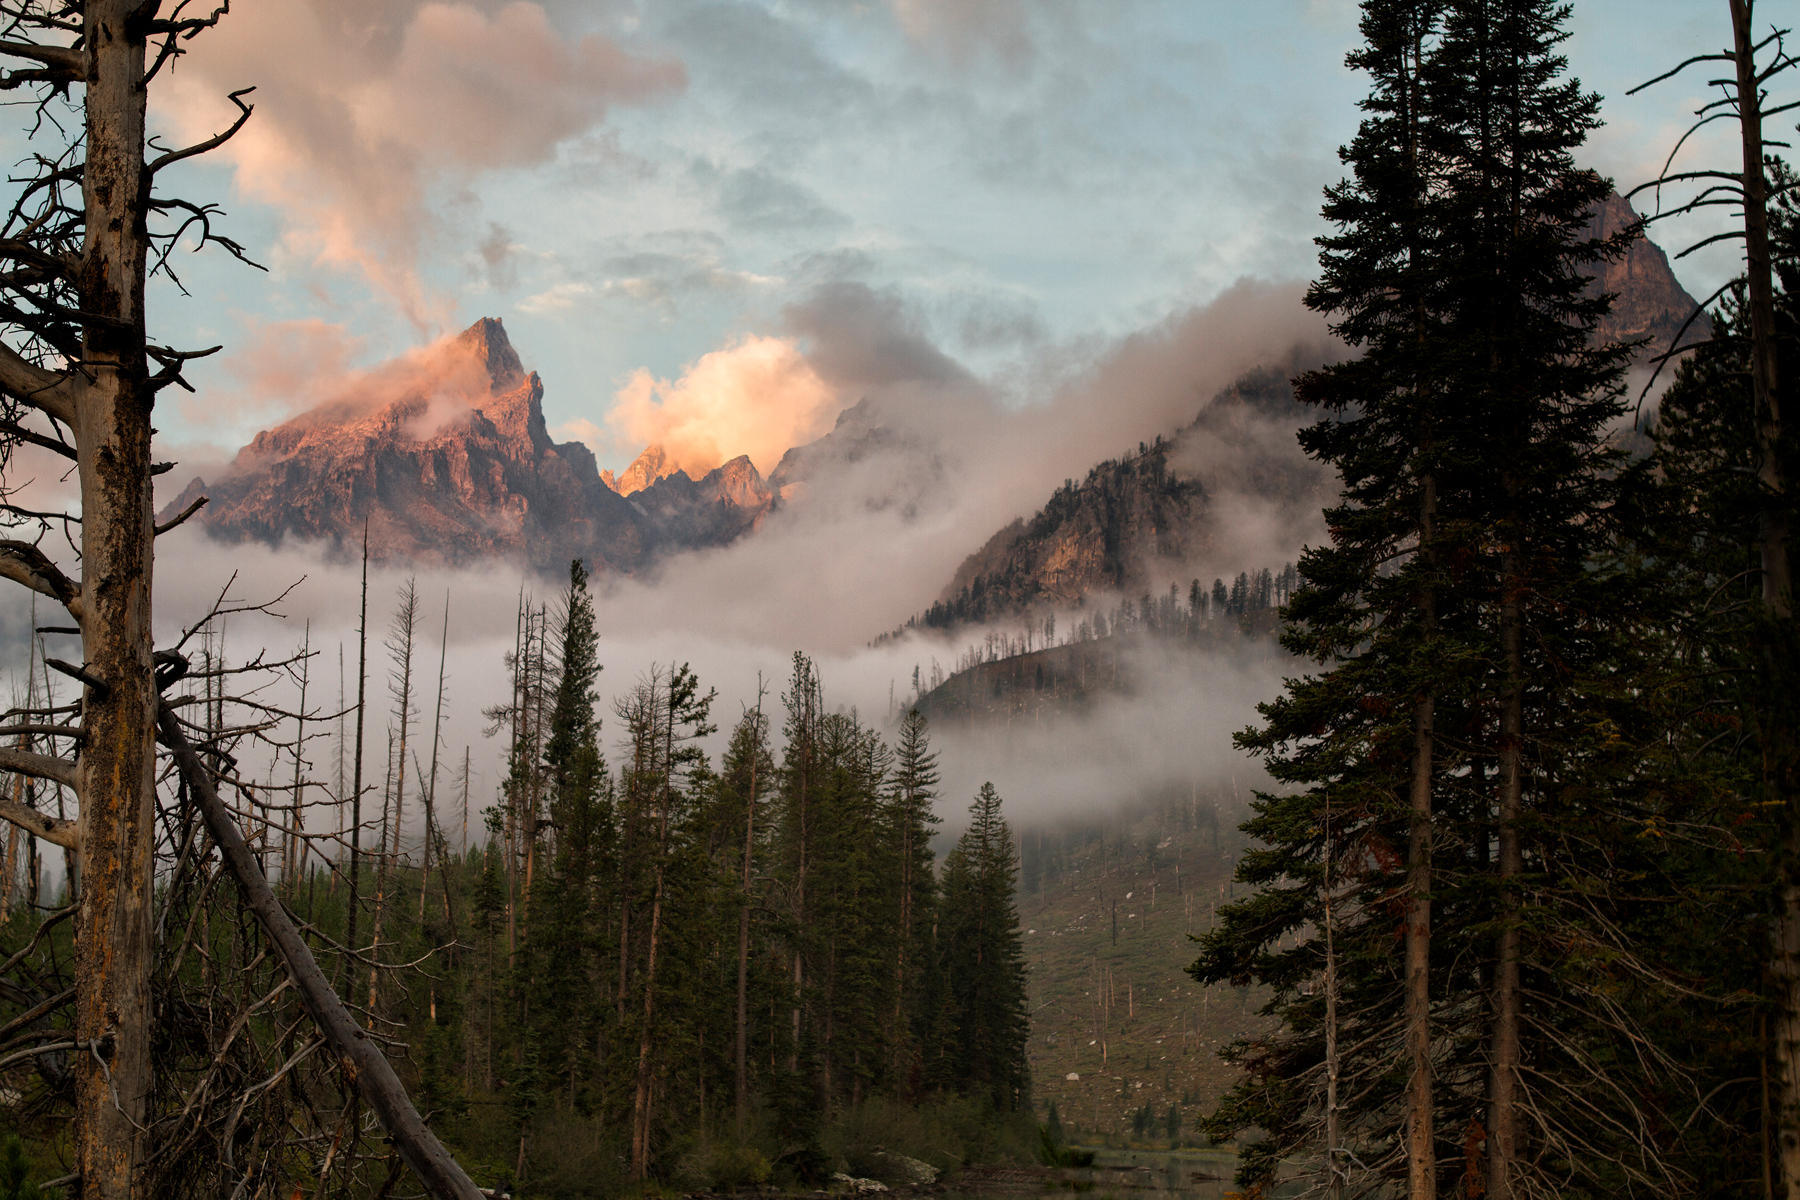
(1753, 64)
(77, 381)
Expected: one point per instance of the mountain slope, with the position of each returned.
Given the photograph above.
(1174, 508)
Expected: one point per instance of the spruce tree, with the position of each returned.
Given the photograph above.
(1461, 617)
(1358, 741)
(910, 822)
(983, 960)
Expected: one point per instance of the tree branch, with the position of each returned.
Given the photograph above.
(55, 830)
(211, 143)
(24, 563)
(30, 384)
(62, 64)
(360, 1059)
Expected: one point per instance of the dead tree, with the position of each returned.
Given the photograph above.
(1747, 68)
(79, 377)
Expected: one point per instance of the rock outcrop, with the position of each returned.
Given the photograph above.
(1648, 301)
(458, 468)
(650, 467)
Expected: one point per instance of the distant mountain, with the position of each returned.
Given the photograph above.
(472, 477)
(650, 467)
(1648, 301)
(1147, 518)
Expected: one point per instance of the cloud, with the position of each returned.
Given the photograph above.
(499, 257)
(758, 199)
(363, 112)
(757, 396)
(663, 279)
(863, 338)
(556, 298)
(968, 31)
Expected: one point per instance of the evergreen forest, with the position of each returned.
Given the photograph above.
(1524, 886)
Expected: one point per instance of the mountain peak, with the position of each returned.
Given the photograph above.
(486, 340)
(653, 464)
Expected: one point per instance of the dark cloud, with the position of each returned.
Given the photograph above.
(998, 322)
(758, 199)
(766, 62)
(859, 338)
(499, 257)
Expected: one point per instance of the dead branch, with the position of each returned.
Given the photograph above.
(361, 1061)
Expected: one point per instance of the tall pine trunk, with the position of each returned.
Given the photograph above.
(1780, 760)
(741, 1064)
(1504, 1042)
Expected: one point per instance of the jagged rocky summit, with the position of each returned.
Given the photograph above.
(468, 478)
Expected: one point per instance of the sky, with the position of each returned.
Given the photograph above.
(1032, 232)
(678, 207)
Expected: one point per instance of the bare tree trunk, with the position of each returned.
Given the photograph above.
(1504, 1051)
(295, 865)
(742, 1076)
(356, 766)
(1778, 753)
(1334, 1174)
(641, 1098)
(1421, 1149)
(437, 731)
(115, 775)
(400, 650)
(513, 815)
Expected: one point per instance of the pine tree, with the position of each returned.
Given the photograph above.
(565, 942)
(1459, 614)
(983, 960)
(910, 823)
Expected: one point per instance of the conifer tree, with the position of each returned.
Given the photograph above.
(1459, 616)
(983, 960)
(911, 822)
(566, 939)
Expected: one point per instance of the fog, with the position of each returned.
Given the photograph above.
(859, 548)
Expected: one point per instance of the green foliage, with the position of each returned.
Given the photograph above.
(15, 1170)
(984, 1023)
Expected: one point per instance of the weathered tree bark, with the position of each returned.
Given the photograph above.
(1780, 761)
(361, 1060)
(116, 771)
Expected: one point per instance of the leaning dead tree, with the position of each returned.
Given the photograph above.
(85, 226)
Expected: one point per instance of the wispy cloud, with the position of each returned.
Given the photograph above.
(366, 115)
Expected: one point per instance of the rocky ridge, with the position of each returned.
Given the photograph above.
(483, 480)
(1142, 519)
